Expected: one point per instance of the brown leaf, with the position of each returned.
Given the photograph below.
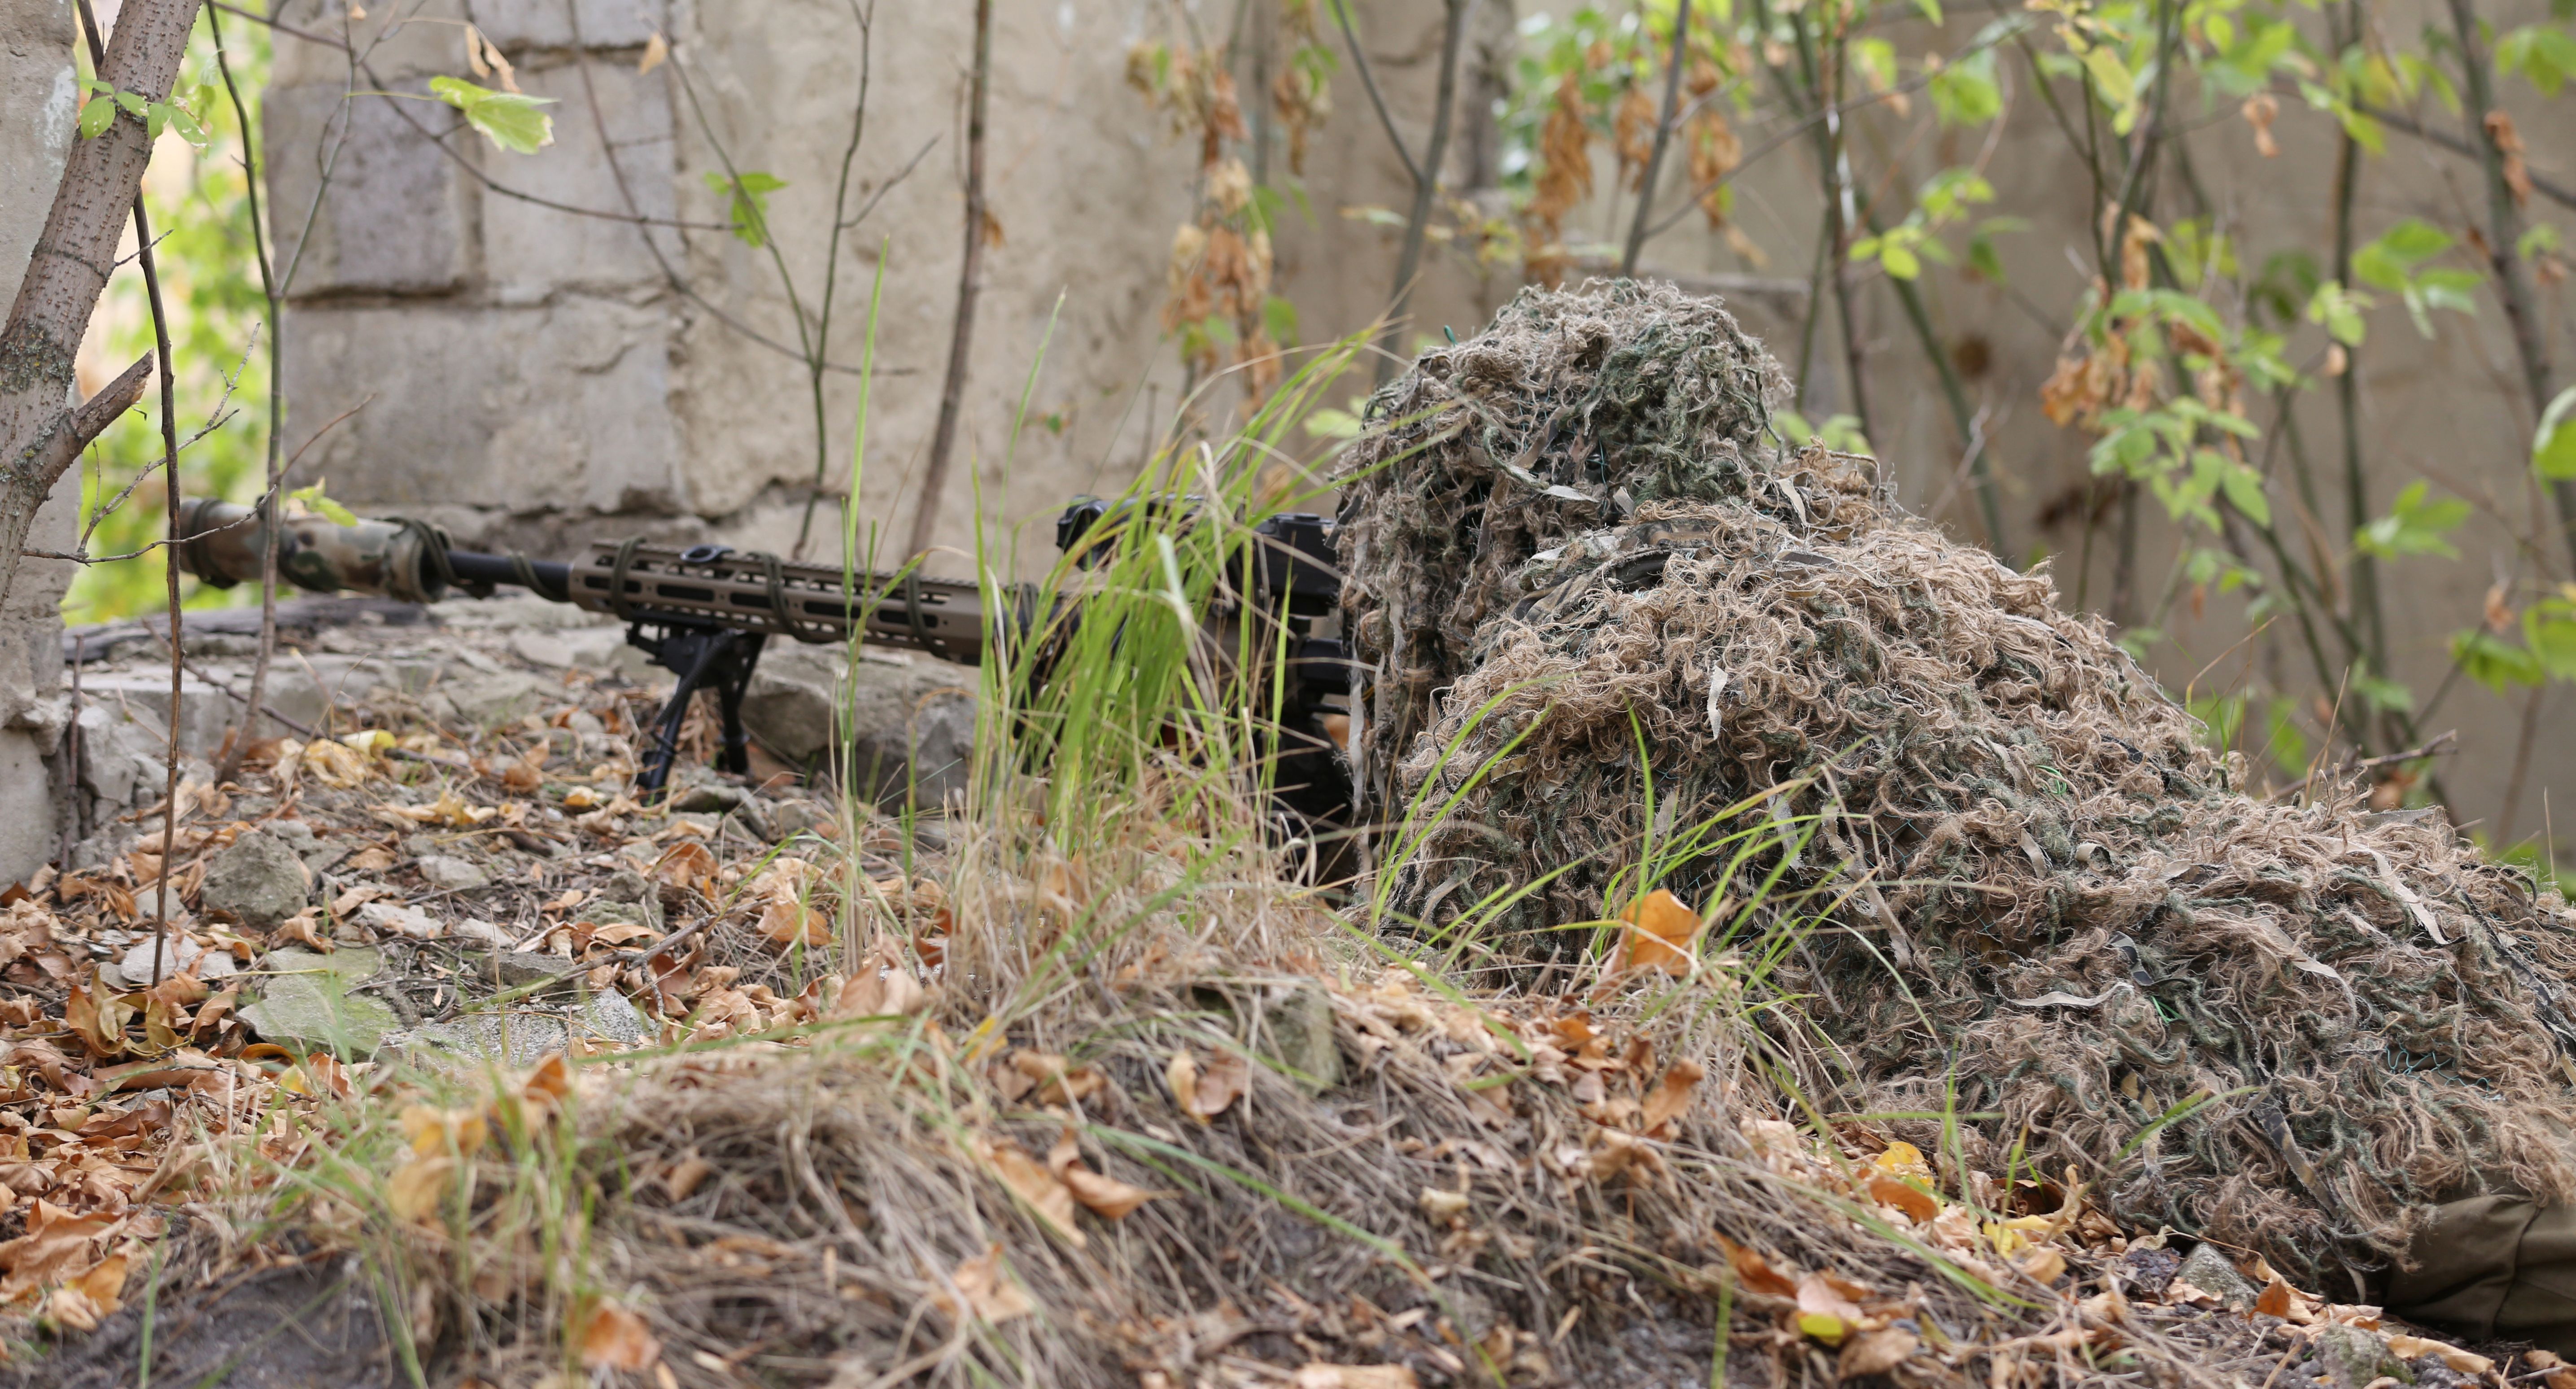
(613, 1338)
(1220, 1083)
(2259, 111)
(686, 1175)
(1754, 1273)
(2508, 142)
(683, 864)
(2417, 1347)
(1318, 1375)
(988, 1291)
(1877, 1352)
(1105, 1196)
(1918, 1204)
(1661, 933)
(1673, 1096)
(1182, 1074)
(656, 49)
(1036, 1187)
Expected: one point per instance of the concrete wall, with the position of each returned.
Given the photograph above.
(39, 104)
(535, 377)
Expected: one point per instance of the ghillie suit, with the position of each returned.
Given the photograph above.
(2288, 1028)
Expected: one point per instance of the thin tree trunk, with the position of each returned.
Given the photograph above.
(1426, 187)
(1663, 138)
(952, 396)
(2504, 233)
(170, 514)
(39, 436)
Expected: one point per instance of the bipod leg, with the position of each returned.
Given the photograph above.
(693, 656)
(733, 680)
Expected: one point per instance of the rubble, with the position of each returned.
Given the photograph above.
(256, 881)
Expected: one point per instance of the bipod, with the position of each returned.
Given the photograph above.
(704, 657)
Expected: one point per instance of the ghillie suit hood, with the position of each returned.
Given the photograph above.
(2282, 1026)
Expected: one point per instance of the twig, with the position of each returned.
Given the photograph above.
(268, 508)
(2556, 192)
(952, 393)
(866, 19)
(2435, 747)
(1663, 138)
(1426, 187)
(1368, 80)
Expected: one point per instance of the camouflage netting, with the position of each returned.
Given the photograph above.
(1571, 410)
(2067, 914)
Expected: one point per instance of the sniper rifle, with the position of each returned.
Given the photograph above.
(704, 613)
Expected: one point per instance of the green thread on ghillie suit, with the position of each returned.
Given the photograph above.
(1617, 396)
(2069, 916)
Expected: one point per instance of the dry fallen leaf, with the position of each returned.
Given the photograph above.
(1754, 1273)
(1104, 1196)
(1661, 933)
(416, 1188)
(1673, 1096)
(656, 49)
(1039, 1189)
(1219, 1084)
(613, 1338)
(1877, 1352)
(1919, 1205)
(989, 1293)
(1318, 1375)
(2417, 1347)
(2043, 1264)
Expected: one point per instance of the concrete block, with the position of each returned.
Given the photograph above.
(530, 252)
(563, 406)
(395, 214)
(517, 24)
(30, 834)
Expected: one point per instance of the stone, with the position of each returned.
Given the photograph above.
(2208, 1269)
(2351, 1358)
(394, 918)
(479, 931)
(307, 1001)
(481, 700)
(179, 955)
(448, 873)
(519, 1034)
(515, 968)
(257, 880)
(1297, 1035)
(912, 720)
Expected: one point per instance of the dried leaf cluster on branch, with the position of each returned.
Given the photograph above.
(2280, 1026)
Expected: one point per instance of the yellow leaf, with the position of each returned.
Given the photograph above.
(416, 1187)
(1183, 1076)
(1904, 1160)
(104, 1285)
(613, 1338)
(1824, 1326)
(1104, 1196)
(1660, 934)
(2043, 1264)
(1918, 1204)
(656, 49)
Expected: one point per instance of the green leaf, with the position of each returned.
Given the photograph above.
(2339, 309)
(2244, 488)
(2119, 88)
(2550, 628)
(1900, 262)
(1931, 9)
(509, 120)
(2492, 661)
(749, 208)
(2553, 445)
(2415, 525)
(312, 499)
(176, 118)
(96, 117)
(131, 105)
(2383, 695)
